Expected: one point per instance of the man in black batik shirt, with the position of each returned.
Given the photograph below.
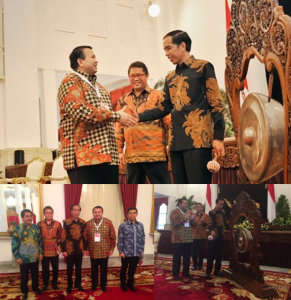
(216, 221)
(192, 96)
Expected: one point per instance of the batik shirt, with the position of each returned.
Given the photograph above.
(146, 141)
(51, 235)
(193, 97)
(199, 225)
(74, 237)
(107, 238)
(216, 221)
(131, 239)
(26, 243)
(180, 233)
(86, 130)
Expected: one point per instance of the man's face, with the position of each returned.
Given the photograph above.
(132, 214)
(76, 211)
(174, 53)
(219, 205)
(199, 208)
(97, 213)
(184, 205)
(138, 79)
(89, 63)
(27, 219)
(48, 214)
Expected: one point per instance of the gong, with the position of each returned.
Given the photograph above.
(243, 240)
(261, 137)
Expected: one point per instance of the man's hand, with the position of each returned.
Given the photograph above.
(219, 148)
(122, 255)
(41, 257)
(110, 253)
(193, 216)
(65, 254)
(142, 253)
(19, 261)
(126, 119)
(188, 215)
(85, 253)
(212, 233)
(122, 159)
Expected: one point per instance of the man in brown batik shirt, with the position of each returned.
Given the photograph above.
(74, 245)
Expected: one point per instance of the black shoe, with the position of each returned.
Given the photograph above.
(199, 268)
(124, 287)
(69, 290)
(217, 273)
(132, 287)
(79, 287)
(55, 286)
(194, 268)
(44, 287)
(207, 275)
(176, 278)
(38, 291)
(93, 288)
(188, 275)
(103, 288)
(24, 296)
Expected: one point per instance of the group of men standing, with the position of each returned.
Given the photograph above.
(96, 238)
(189, 230)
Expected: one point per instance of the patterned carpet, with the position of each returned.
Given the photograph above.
(214, 288)
(144, 282)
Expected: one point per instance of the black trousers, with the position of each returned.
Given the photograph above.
(189, 166)
(24, 273)
(102, 173)
(215, 250)
(131, 262)
(54, 260)
(198, 246)
(77, 260)
(180, 249)
(103, 263)
(157, 172)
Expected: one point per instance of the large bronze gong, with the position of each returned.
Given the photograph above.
(243, 240)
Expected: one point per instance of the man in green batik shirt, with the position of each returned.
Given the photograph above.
(27, 249)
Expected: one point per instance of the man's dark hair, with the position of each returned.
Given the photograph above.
(181, 200)
(132, 208)
(199, 204)
(77, 53)
(97, 207)
(47, 207)
(75, 205)
(180, 36)
(25, 211)
(219, 199)
(138, 64)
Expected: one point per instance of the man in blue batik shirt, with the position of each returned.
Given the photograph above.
(131, 241)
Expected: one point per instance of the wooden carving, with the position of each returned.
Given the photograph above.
(259, 28)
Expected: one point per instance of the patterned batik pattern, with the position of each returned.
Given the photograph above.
(131, 239)
(26, 243)
(199, 225)
(180, 233)
(107, 238)
(86, 130)
(216, 222)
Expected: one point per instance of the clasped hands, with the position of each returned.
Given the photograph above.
(128, 119)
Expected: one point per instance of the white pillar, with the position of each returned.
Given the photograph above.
(171, 206)
(35, 206)
(27, 197)
(18, 197)
(3, 216)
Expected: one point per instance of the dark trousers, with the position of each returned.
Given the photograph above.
(54, 260)
(24, 272)
(198, 246)
(189, 166)
(215, 250)
(180, 249)
(157, 172)
(77, 260)
(131, 262)
(102, 173)
(103, 263)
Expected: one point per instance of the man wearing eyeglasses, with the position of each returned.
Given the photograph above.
(145, 143)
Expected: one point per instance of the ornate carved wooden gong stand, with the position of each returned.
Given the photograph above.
(259, 29)
(250, 277)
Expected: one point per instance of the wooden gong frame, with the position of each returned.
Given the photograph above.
(250, 277)
(259, 28)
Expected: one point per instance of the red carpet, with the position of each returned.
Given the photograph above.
(214, 288)
(144, 282)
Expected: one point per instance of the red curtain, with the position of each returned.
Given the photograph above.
(116, 94)
(72, 196)
(128, 195)
(158, 202)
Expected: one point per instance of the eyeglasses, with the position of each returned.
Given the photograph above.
(132, 76)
